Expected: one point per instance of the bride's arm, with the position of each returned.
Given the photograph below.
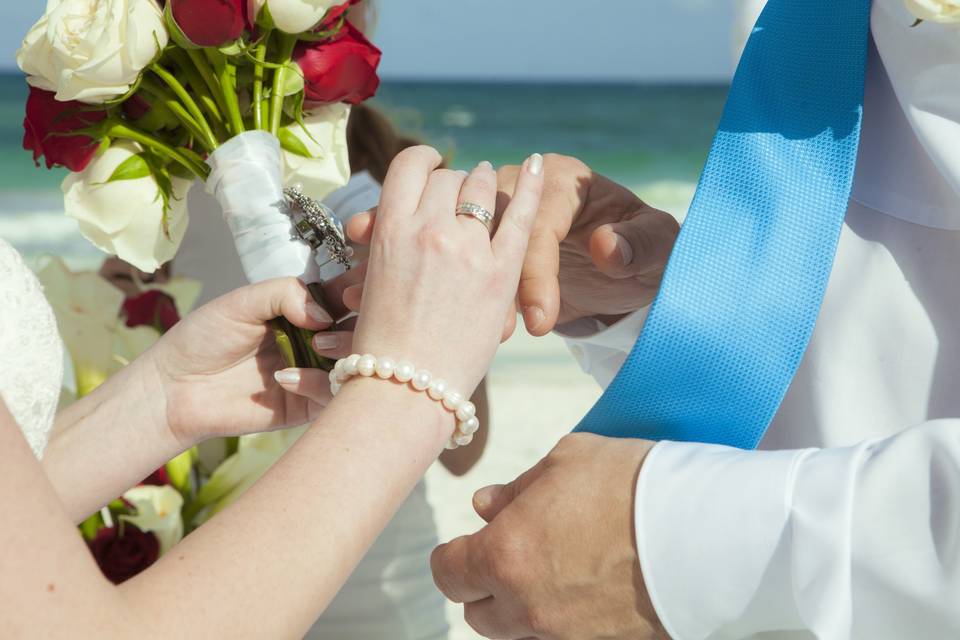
(437, 292)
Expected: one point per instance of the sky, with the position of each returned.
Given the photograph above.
(620, 40)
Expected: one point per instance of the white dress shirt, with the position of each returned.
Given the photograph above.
(847, 523)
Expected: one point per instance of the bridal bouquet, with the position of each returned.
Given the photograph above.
(140, 98)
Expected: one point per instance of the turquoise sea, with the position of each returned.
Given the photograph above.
(653, 139)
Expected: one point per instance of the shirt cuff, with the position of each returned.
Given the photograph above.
(711, 525)
(599, 349)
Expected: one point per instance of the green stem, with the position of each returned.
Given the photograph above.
(200, 88)
(119, 129)
(170, 102)
(178, 89)
(259, 121)
(227, 78)
(209, 76)
(287, 45)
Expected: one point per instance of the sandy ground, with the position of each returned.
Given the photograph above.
(537, 394)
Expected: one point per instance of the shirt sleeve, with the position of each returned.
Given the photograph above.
(858, 542)
(601, 350)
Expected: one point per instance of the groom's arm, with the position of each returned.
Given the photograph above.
(856, 542)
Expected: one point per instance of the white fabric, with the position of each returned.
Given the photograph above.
(31, 352)
(246, 179)
(847, 525)
(391, 595)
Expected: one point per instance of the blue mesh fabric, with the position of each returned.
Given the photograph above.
(743, 288)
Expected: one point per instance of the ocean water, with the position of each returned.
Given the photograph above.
(653, 139)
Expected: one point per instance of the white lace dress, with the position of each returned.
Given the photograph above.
(31, 353)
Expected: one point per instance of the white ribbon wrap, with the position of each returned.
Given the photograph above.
(246, 180)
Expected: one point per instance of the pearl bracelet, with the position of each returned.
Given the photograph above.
(370, 366)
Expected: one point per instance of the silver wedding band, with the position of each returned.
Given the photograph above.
(477, 212)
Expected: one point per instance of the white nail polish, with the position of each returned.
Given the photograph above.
(318, 313)
(535, 164)
(287, 376)
(485, 165)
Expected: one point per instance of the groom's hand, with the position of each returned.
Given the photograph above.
(558, 558)
(597, 249)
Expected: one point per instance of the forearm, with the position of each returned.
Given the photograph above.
(302, 529)
(109, 441)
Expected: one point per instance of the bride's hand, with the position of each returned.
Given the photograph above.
(438, 288)
(214, 371)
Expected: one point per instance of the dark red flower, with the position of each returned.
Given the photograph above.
(122, 557)
(343, 69)
(209, 23)
(151, 309)
(47, 128)
(158, 478)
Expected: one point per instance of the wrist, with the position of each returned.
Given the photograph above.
(154, 394)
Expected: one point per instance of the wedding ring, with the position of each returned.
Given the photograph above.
(477, 212)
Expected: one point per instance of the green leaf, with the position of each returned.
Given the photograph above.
(133, 168)
(91, 526)
(290, 142)
(293, 81)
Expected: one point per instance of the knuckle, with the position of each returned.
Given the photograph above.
(539, 620)
(503, 556)
(417, 154)
(432, 239)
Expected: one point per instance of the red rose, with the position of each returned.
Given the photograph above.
(334, 14)
(122, 557)
(159, 478)
(209, 23)
(151, 309)
(340, 70)
(47, 125)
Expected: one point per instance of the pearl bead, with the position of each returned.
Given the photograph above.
(340, 368)
(462, 440)
(404, 371)
(350, 365)
(421, 380)
(466, 411)
(334, 388)
(451, 445)
(367, 365)
(334, 376)
(385, 368)
(437, 388)
(469, 427)
(453, 400)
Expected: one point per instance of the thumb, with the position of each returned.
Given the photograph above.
(638, 246)
(490, 501)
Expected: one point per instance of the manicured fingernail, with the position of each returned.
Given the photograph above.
(483, 499)
(287, 376)
(625, 250)
(318, 313)
(326, 341)
(533, 316)
(485, 165)
(463, 172)
(535, 164)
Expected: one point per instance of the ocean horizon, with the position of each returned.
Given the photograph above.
(652, 138)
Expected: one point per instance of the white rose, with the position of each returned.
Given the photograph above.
(942, 11)
(92, 50)
(125, 217)
(328, 168)
(294, 16)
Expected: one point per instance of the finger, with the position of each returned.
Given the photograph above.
(455, 570)
(312, 384)
(495, 618)
(480, 189)
(539, 292)
(405, 183)
(288, 297)
(440, 196)
(353, 298)
(513, 235)
(511, 324)
(488, 502)
(333, 344)
(360, 227)
(334, 290)
(637, 246)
